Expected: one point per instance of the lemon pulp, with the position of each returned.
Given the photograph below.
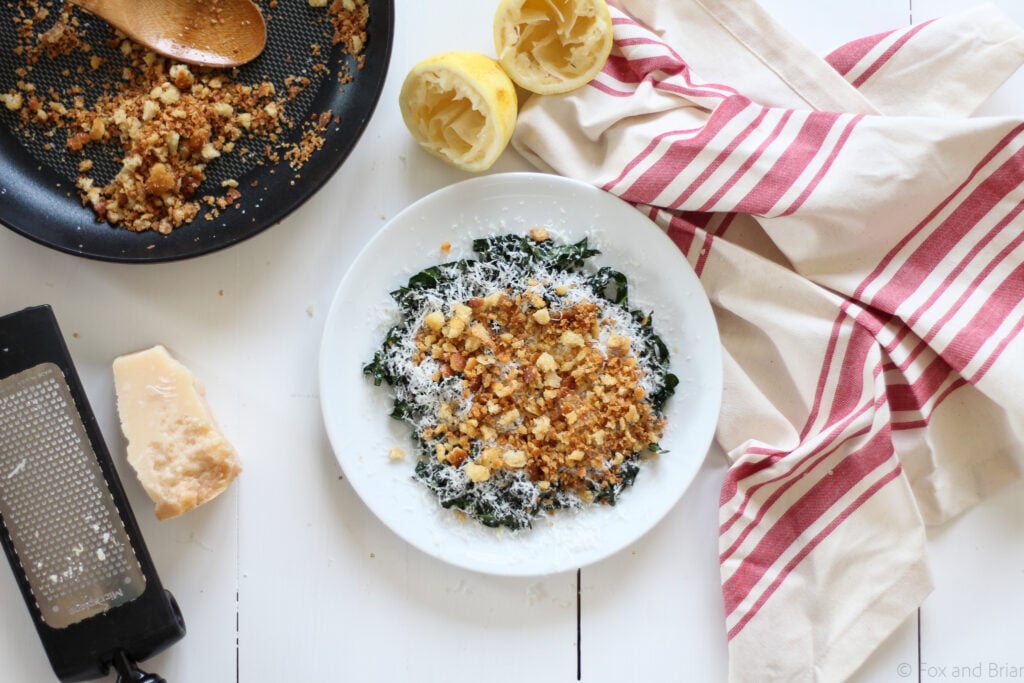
(552, 46)
(461, 107)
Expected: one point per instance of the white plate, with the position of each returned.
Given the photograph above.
(356, 412)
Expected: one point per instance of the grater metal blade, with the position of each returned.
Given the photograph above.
(84, 564)
(65, 523)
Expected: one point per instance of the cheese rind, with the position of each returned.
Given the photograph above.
(174, 445)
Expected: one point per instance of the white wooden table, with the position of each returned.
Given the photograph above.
(289, 577)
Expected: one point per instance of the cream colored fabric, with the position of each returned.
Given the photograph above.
(861, 243)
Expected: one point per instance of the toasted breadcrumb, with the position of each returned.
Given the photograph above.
(168, 121)
(541, 393)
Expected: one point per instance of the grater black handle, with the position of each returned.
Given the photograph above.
(129, 672)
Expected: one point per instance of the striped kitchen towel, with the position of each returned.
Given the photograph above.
(860, 239)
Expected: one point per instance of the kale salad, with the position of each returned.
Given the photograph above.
(529, 383)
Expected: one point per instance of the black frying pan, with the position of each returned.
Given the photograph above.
(37, 184)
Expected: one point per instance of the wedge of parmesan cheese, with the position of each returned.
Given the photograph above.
(174, 444)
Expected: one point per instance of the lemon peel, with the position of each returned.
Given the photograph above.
(552, 46)
(461, 107)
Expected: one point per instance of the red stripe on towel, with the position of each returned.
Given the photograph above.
(888, 54)
(677, 154)
(786, 169)
(807, 549)
(787, 528)
(845, 57)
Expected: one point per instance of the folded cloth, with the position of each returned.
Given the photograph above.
(862, 245)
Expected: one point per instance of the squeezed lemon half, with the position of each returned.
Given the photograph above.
(552, 46)
(461, 107)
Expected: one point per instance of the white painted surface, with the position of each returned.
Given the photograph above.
(289, 577)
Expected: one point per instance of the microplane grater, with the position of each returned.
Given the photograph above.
(65, 523)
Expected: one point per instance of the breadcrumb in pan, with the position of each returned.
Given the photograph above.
(166, 124)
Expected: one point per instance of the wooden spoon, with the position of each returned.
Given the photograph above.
(220, 33)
